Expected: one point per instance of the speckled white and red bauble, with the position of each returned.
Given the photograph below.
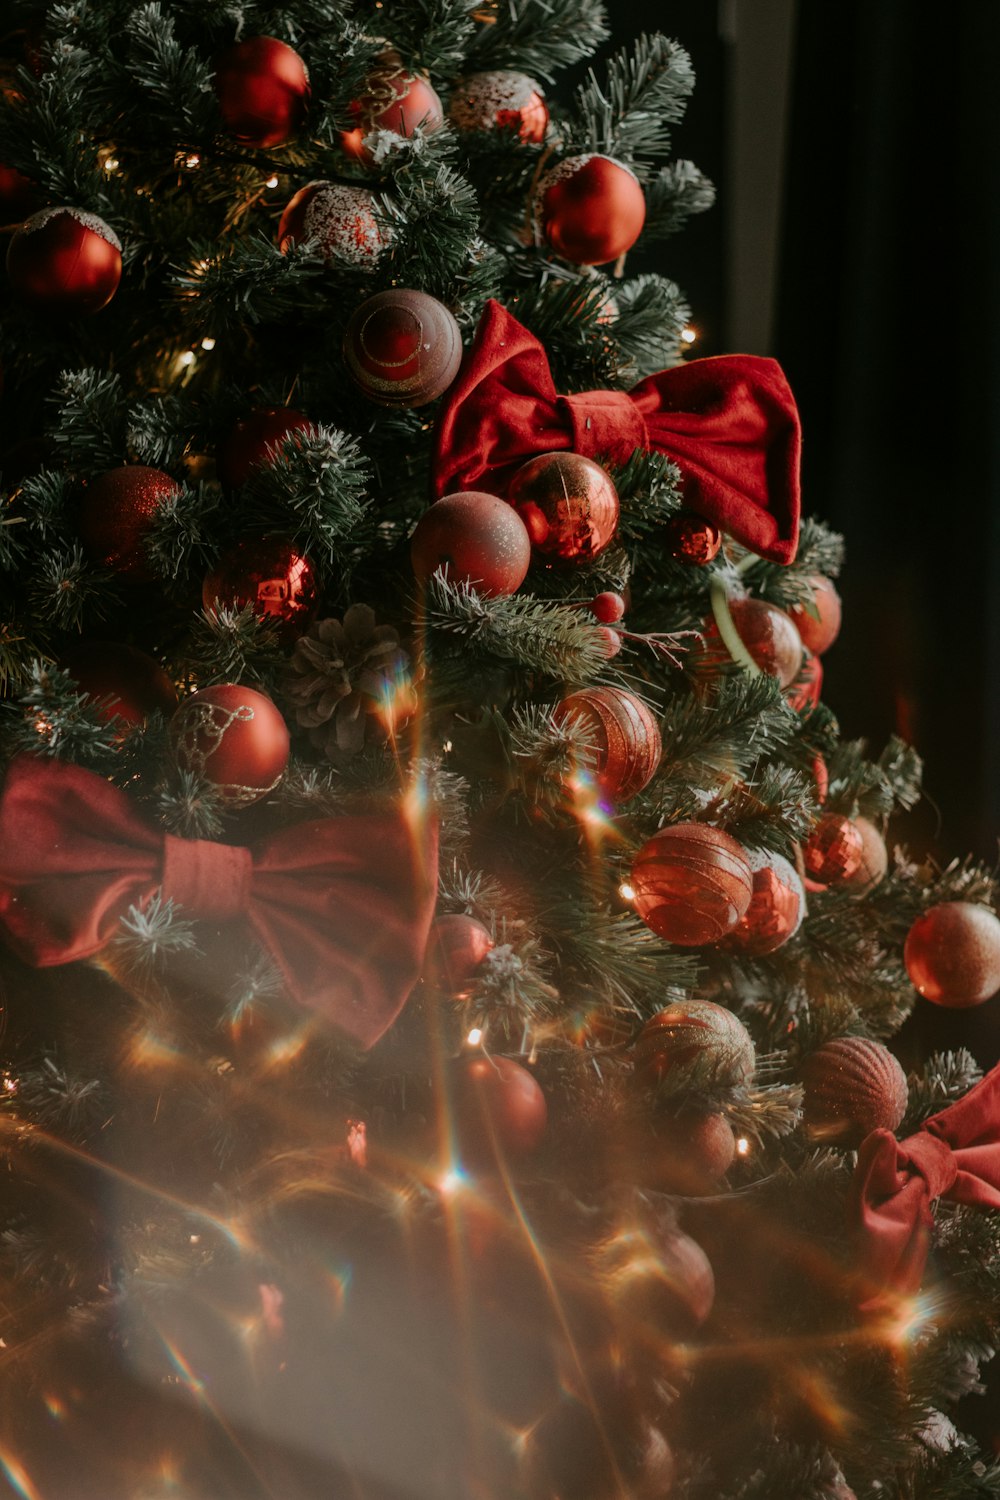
(503, 101)
(340, 218)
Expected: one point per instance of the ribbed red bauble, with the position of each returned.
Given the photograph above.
(852, 1087)
(608, 607)
(805, 691)
(688, 1153)
(233, 738)
(874, 858)
(695, 1042)
(402, 348)
(476, 538)
(625, 737)
(256, 439)
(340, 219)
(767, 633)
(497, 1106)
(589, 209)
(819, 630)
(262, 86)
(833, 850)
(692, 884)
(18, 195)
(393, 99)
(689, 539)
(502, 101)
(776, 909)
(131, 684)
(272, 577)
(952, 954)
(117, 514)
(569, 505)
(65, 261)
(456, 947)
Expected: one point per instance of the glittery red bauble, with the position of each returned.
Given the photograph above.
(852, 1087)
(607, 607)
(456, 947)
(805, 691)
(233, 738)
(691, 540)
(952, 954)
(503, 101)
(116, 516)
(131, 684)
(687, 1154)
(692, 884)
(65, 261)
(476, 538)
(695, 1041)
(776, 908)
(590, 209)
(393, 100)
(498, 1108)
(256, 439)
(263, 88)
(624, 734)
(820, 630)
(833, 850)
(402, 348)
(569, 505)
(874, 858)
(17, 195)
(340, 219)
(272, 577)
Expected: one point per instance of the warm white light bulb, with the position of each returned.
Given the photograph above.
(626, 892)
(208, 343)
(475, 1037)
(688, 335)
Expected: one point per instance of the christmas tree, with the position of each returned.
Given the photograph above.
(449, 949)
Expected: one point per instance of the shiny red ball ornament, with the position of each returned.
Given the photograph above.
(776, 909)
(18, 195)
(402, 348)
(502, 101)
(339, 218)
(117, 515)
(262, 86)
(608, 607)
(569, 505)
(65, 261)
(688, 1154)
(691, 540)
(695, 1042)
(475, 538)
(456, 947)
(952, 954)
(127, 684)
(624, 734)
(256, 439)
(589, 209)
(805, 691)
(272, 577)
(393, 100)
(874, 859)
(852, 1087)
(833, 850)
(692, 884)
(233, 738)
(819, 630)
(498, 1108)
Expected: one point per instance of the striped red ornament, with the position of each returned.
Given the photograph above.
(852, 1087)
(625, 735)
(695, 1042)
(692, 884)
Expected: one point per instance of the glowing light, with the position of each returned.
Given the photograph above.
(447, 747)
(742, 1146)
(271, 182)
(905, 1317)
(475, 1036)
(192, 161)
(19, 1477)
(187, 358)
(54, 1407)
(111, 164)
(449, 1184)
(688, 336)
(357, 1142)
(626, 892)
(208, 343)
(147, 1050)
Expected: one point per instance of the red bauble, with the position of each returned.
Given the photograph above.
(569, 505)
(475, 538)
(272, 577)
(233, 738)
(590, 209)
(18, 196)
(608, 607)
(131, 684)
(833, 850)
(263, 88)
(820, 630)
(821, 776)
(874, 858)
(664, 1278)
(624, 734)
(691, 540)
(952, 954)
(393, 100)
(498, 1108)
(256, 439)
(117, 514)
(65, 261)
(692, 884)
(768, 635)
(503, 101)
(805, 691)
(456, 947)
(776, 909)
(852, 1087)
(687, 1154)
(695, 1042)
(339, 218)
(402, 348)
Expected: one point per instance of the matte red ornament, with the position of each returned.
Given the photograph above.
(339, 218)
(689, 539)
(65, 261)
(256, 439)
(262, 86)
(503, 101)
(833, 850)
(402, 348)
(117, 514)
(270, 576)
(394, 100)
(805, 691)
(589, 209)
(456, 947)
(695, 1042)
(625, 737)
(130, 684)
(692, 884)
(874, 858)
(776, 909)
(608, 607)
(687, 1154)
(852, 1087)
(476, 539)
(820, 630)
(569, 505)
(498, 1108)
(233, 738)
(18, 195)
(952, 954)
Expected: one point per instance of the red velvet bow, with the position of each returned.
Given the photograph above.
(344, 905)
(955, 1154)
(730, 424)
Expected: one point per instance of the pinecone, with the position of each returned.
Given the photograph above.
(348, 683)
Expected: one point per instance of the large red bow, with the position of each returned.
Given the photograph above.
(730, 424)
(955, 1154)
(344, 905)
